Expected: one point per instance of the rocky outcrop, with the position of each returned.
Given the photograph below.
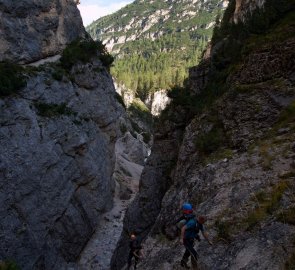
(234, 162)
(127, 95)
(57, 138)
(57, 161)
(32, 29)
(157, 102)
(130, 156)
(243, 8)
(143, 211)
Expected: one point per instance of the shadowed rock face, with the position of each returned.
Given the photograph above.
(31, 29)
(56, 170)
(245, 187)
(57, 140)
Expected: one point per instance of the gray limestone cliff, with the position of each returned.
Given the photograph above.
(57, 137)
(32, 29)
(233, 158)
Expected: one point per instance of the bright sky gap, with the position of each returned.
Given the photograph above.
(91, 10)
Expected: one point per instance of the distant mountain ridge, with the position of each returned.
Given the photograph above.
(156, 41)
(153, 19)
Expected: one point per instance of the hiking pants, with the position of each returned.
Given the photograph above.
(189, 250)
(131, 255)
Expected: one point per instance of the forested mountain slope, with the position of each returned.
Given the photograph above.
(156, 41)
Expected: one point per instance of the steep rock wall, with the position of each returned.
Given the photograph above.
(57, 137)
(56, 168)
(32, 29)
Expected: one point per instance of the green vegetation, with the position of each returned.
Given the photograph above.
(267, 157)
(58, 73)
(83, 51)
(280, 31)
(223, 230)
(208, 143)
(153, 69)
(123, 128)
(270, 23)
(287, 116)
(53, 110)
(8, 265)
(159, 57)
(287, 216)
(221, 153)
(267, 203)
(146, 137)
(290, 263)
(11, 78)
(139, 110)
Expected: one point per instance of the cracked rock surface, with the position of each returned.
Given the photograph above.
(56, 167)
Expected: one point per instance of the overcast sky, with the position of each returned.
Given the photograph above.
(91, 10)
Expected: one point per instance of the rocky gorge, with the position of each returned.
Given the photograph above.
(63, 150)
(72, 160)
(226, 146)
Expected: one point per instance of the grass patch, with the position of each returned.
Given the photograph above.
(286, 117)
(288, 174)
(58, 73)
(123, 128)
(8, 265)
(53, 110)
(267, 203)
(279, 32)
(83, 51)
(266, 157)
(11, 78)
(209, 142)
(290, 263)
(139, 109)
(223, 230)
(218, 155)
(287, 216)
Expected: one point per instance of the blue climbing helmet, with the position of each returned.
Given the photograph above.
(187, 208)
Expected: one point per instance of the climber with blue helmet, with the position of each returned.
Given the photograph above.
(190, 227)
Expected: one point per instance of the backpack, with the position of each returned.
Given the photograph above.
(192, 232)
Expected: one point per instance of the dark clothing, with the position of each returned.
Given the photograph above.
(135, 248)
(200, 227)
(189, 250)
(191, 233)
(136, 259)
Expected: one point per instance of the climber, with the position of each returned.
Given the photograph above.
(189, 232)
(135, 250)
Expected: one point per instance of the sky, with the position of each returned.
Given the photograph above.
(91, 10)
